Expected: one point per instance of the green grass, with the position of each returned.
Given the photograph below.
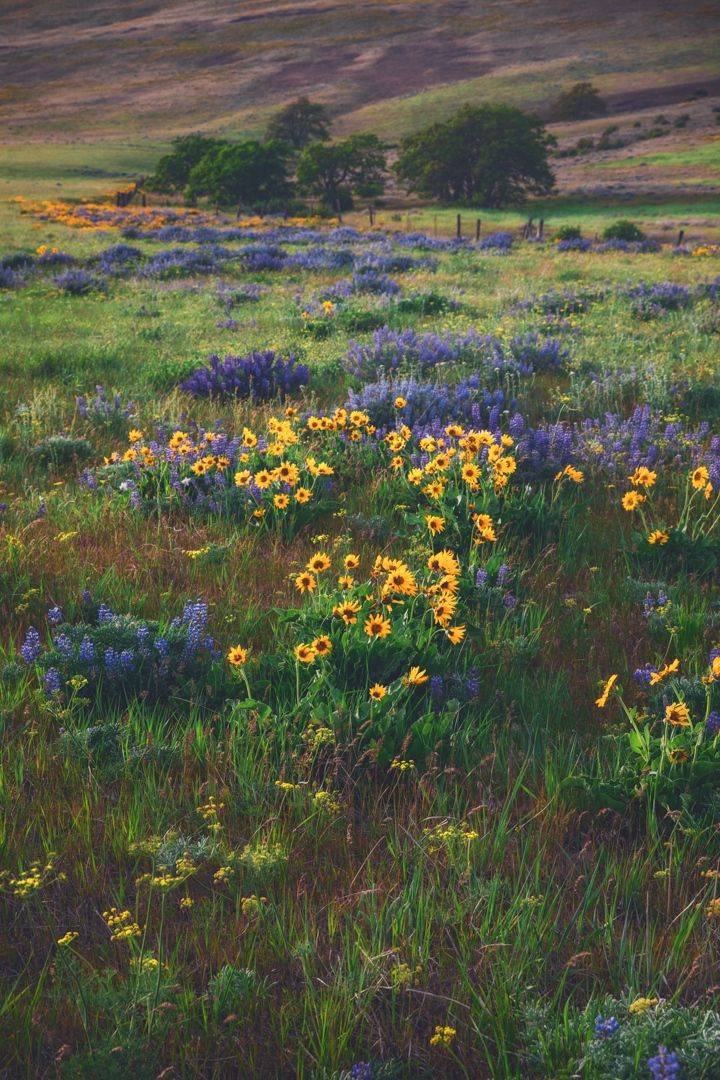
(476, 889)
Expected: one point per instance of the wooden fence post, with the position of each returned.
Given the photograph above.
(370, 212)
(541, 227)
(681, 237)
(459, 227)
(477, 230)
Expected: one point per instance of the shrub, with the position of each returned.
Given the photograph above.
(568, 232)
(61, 450)
(260, 376)
(624, 230)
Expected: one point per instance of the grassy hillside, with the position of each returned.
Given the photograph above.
(100, 73)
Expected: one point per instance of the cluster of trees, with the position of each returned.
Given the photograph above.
(488, 155)
(295, 158)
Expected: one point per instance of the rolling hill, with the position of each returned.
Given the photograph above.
(105, 72)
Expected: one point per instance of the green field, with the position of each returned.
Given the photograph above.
(233, 857)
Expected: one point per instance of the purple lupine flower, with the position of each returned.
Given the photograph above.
(87, 480)
(510, 601)
(127, 660)
(87, 650)
(605, 1029)
(502, 574)
(665, 1066)
(64, 646)
(712, 726)
(52, 681)
(31, 647)
(104, 614)
(363, 1070)
(112, 661)
(54, 616)
(481, 578)
(260, 376)
(162, 647)
(643, 675)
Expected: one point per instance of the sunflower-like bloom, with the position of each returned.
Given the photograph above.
(435, 523)
(416, 676)
(306, 582)
(305, 654)
(678, 714)
(601, 702)
(377, 626)
(632, 499)
(347, 611)
(378, 691)
(319, 562)
(237, 656)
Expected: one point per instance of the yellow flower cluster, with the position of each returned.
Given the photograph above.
(641, 1005)
(443, 1036)
(121, 925)
(251, 906)
(30, 880)
(447, 835)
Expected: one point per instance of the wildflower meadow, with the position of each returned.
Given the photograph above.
(359, 650)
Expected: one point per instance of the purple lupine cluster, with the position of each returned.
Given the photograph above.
(123, 656)
(364, 281)
(421, 241)
(498, 242)
(542, 452)
(650, 301)
(392, 351)
(455, 687)
(362, 1070)
(386, 261)
(31, 647)
(644, 674)
(322, 257)
(179, 262)
(104, 410)
(259, 376)
(494, 589)
(55, 259)
(618, 445)
(119, 260)
(628, 247)
(536, 354)
(425, 402)
(574, 243)
(605, 1029)
(712, 724)
(79, 282)
(10, 279)
(665, 1065)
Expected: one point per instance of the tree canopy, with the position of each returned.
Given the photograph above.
(493, 155)
(337, 170)
(248, 173)
(173, 169)
(300, 123)
(580, 102)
